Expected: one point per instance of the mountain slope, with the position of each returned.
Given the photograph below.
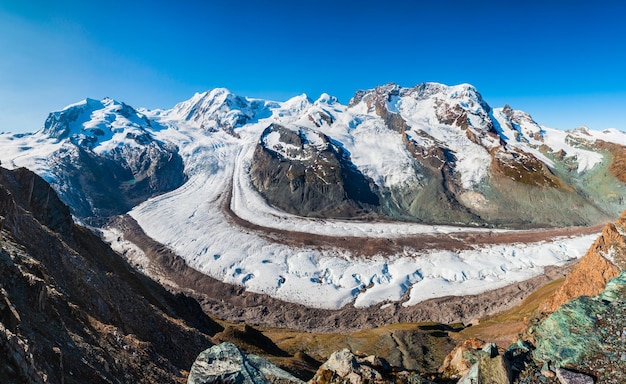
(604, 261)
(103, 158)
(73, 311)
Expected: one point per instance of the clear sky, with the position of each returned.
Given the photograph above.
(563, 61)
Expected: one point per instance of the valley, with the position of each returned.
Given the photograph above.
(398, 225)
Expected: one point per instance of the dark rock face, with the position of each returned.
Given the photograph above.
(310, 180)
(102, 185)
(73, 311)
(569, 377)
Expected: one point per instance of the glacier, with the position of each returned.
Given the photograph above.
(216, 133)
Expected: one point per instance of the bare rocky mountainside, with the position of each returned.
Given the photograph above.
(74, 311)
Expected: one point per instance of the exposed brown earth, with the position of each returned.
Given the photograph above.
(590, 275)
(504, 328)
(618, 165)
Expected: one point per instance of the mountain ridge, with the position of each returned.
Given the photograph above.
(438, 160)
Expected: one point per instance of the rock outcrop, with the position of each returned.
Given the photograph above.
(225, 363)
(345, 367)
(586, 335)
(476, 361)
(569, 377)
(458, 362)
(304, 173)
(603, 261)
(581, 341)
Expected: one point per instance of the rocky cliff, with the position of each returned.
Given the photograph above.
(603, 261)
(73, 311)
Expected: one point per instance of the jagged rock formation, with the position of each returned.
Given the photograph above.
(603, 261)
(488, 369)
(475, 361)
(225, 363)
(73, 311)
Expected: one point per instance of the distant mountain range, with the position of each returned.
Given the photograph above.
(391, 160)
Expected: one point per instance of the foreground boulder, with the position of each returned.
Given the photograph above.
(492, 370)
(225, 363)
(462, 358)
(569, 377)
(345, 367)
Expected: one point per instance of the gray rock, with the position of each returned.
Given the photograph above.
(569, 377)
(225, 363)
(344, 367)
(488, 370)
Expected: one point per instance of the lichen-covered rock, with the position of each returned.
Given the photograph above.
(225, 363)
(587, 334)
(489, 369)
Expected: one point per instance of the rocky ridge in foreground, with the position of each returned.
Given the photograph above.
(604, 260)
(73, 311)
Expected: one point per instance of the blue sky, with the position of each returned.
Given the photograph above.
(564, 62)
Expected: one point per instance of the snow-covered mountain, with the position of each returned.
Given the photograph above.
(102, 157)
(223, 180)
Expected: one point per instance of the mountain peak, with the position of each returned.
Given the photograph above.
(325, 98)
(217, 109)
(90, 122)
